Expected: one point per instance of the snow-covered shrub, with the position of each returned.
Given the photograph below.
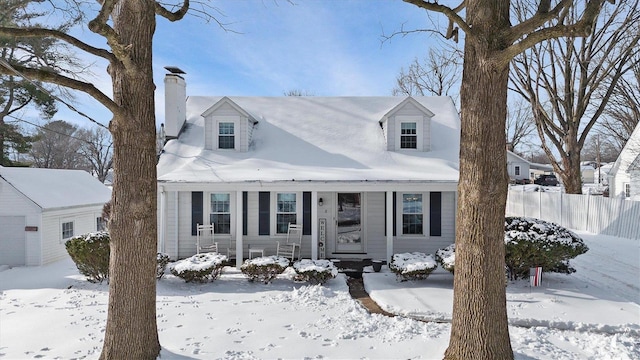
(315, 271)
(412, 266)
(533, 242)
(447, 257)
(161, 264)
(264, 268)
(90, 253)
(200, 267)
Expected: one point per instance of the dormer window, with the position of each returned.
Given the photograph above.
(226, 135)
(408, 135)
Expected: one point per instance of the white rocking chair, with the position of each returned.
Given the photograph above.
(294, 240)
(205, 239)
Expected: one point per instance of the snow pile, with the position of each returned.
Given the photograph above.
(447, 257)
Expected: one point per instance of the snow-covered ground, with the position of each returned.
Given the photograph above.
(51, 312)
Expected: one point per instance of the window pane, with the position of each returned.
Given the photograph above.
(408, 142)
(282, 222)
(226, 128)
(286, 203)
(220, 203)
(285, 211)
(226, 142)
(67, 230)
(412, 213)
(408, 128)
(220, 215)
(221, 223)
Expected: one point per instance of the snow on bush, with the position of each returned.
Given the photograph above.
(264, 268)
(200, 267)
(412, 266)
(90, 253)
(161, 264)
(447, 257)
(533, 242)
(315, 271)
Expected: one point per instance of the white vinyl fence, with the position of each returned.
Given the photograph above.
(596, 214)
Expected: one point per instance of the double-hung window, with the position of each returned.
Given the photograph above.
(517, 170)
(67, 230)
(226, 135)
(411, 214)
(220, 215)
(285, 211)
(627, 190)
(408, 135)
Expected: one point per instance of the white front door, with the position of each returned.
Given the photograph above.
(349, 223)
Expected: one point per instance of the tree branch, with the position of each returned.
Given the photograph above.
(175, 15)
(540, 18)
(100, 26)
(51, 77)
(40, 32)
(451, 14)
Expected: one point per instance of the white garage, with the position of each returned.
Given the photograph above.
(41, 208)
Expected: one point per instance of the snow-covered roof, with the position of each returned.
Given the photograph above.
(56, 188)
(314, 139)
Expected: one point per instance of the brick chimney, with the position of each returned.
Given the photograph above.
(175, 101)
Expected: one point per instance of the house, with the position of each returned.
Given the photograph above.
(619, 176)
(41, 208)
(588, 173)
(366, 176)
(634, 179)
(517, 168)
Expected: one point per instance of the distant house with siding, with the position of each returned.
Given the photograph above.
(620, 176)
(366, 176)
(634, 179)
(517, 167)
(41, 208)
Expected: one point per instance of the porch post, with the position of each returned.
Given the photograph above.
(389, 225)
(314, 225)
(163, 219)
(239, 229)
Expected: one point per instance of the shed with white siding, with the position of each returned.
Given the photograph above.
(41, 208)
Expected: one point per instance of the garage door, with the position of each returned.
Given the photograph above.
(12, 240)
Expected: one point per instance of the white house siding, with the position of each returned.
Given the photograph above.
(425, 243)
(14, 203)
(514, 161)
(619, 176)
(52, 244)
(635, 183)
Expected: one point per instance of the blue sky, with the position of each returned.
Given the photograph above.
(326, 48)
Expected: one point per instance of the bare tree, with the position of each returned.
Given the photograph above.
(622, 114)
(57, 146)
(127, 27)
(437, 74)
(479, 327)
(520, 125)
(569, 81)
(298, 92)
(97, 150)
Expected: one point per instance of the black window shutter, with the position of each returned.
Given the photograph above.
(245, 212)
(395, 202)
(435, 214)
(196, 211)
(263, 213)
(306, 213)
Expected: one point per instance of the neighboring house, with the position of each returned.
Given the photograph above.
(366, 176)
(588, 173)
(634, 179)
(619, 176)
(41, 208)
(518, 168)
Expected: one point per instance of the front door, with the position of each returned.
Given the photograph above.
(349, 223)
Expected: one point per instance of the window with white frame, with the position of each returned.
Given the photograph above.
(627, 190)
(517, 170)
(285, 211)
(67, 230)
(412, 214)
(220, 215)
(408, 135)
(226, 135)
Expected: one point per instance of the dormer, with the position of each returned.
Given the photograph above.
(227, 127)
(407, 127)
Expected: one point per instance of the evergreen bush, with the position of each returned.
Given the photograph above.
(161, 264)
(90, 253)
(315, 271)
(533, 242)
(412, 266)
(264, 268)
(446, 257)
(201, 268)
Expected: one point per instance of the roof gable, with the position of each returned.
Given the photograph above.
(226, 101)
(408, 100)
(56, 188)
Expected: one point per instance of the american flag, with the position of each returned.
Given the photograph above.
(535, 275)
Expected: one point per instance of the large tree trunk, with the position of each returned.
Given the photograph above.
(479, 326)
(131, 331)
